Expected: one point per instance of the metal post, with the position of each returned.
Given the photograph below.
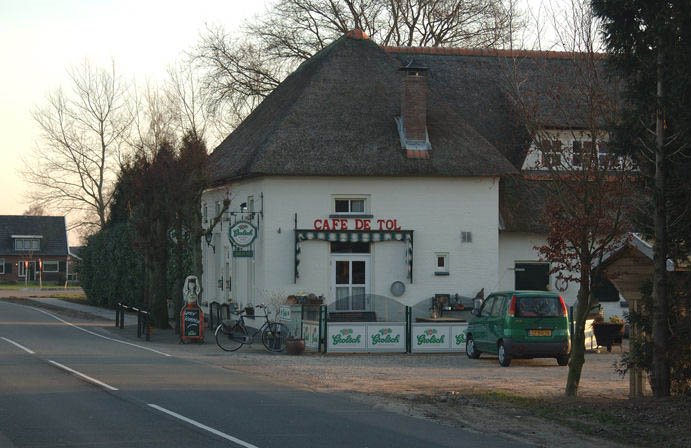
(148, 327)
(572, 324)
(408, 328)
(139, 324)
(322, 329)
(117, 315)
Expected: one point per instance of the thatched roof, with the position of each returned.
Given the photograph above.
(522, 204)
(335, 116)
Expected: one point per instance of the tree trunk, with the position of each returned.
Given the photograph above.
(660, 371)
(577, 358)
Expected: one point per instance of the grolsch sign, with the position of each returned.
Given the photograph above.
(242, 234)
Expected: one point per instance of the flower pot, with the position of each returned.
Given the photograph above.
(295, 346)
(607, 334)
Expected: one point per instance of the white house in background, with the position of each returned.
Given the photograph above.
(381, 172)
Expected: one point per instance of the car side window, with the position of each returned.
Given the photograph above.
(498, 307)
(487, 307)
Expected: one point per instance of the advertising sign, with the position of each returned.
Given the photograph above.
(242, 234)
(428, 337)
(386, 337)
(346, 338)
(310, 333)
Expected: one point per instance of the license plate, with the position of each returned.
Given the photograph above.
(539, 332)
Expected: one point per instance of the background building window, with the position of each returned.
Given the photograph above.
(26, 244)
(2, 265)
(466, 237)
(551, 153)
(51, 266)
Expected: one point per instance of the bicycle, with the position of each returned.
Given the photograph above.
(233, 334)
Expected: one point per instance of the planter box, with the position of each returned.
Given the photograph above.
(607, 334)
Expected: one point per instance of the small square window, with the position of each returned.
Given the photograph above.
(441, 263)
(2, 265)
(466, 237)
(349, 206)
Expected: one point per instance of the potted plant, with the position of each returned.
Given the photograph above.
(295, 346)
(608, 333)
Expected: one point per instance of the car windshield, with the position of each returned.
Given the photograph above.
(538, 307)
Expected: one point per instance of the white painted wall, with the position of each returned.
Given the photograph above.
(519, 247)
(437, 209)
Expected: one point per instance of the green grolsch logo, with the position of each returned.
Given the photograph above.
(242, 233)
(345, 336)
(385, 336)
(429, 336)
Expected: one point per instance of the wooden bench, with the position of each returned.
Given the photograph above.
(352, 316)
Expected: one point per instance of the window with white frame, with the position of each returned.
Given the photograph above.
(551, 153)
(27, 244)
(350, 206)
(441, 263)
(2, 265)
(51, 266)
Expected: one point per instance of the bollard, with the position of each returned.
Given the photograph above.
(148, 327)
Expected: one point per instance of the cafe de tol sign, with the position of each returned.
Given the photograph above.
(242, 233)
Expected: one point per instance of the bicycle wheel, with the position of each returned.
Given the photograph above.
(230, 338)
(274, 337)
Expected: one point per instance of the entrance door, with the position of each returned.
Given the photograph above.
(532, 276)
(350, 282)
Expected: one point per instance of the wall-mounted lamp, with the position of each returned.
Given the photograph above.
(208, 236)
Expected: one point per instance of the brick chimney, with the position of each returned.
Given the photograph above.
(413, 121)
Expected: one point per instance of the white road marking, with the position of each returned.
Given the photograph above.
(86, 377)
(31, 352)
(99, 335)
(204, 427)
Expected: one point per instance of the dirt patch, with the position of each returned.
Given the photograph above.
(524, 401)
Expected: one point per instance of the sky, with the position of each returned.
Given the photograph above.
(41, 39)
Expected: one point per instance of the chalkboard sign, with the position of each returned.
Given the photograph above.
(192, 319)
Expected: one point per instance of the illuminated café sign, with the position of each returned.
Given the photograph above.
(355, 224)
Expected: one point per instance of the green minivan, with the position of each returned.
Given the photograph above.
(520, 324)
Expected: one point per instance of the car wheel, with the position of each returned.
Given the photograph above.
(470, 350)
(563, 360)
(504, 357)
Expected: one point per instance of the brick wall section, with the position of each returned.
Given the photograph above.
(414, 105)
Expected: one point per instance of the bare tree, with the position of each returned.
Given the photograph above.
(35, 210)
(82, 134)
(152, 121)
(239, 72)
(585, 189)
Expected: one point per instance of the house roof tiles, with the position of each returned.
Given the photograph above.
(52, 230)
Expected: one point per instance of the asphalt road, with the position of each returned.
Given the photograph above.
(65, 383)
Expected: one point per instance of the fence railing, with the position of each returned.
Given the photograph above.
(144, 320)
(217, 312)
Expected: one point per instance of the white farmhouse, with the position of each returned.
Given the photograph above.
(381, 172)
